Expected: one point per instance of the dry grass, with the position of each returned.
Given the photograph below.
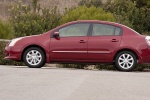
(4, 10)
(61, 4)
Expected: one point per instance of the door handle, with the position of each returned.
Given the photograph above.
(114, 40)
(82, 41)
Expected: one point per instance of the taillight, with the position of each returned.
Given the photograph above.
(148, 40)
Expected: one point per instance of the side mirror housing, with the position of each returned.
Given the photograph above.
(56, 35)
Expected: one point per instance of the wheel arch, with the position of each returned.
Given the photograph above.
(30, 47)
(125, 49)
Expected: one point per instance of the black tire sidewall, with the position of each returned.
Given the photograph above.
(41, 64)
(122, 69)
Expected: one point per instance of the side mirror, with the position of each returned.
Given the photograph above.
(56, 35)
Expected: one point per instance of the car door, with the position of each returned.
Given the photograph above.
(102, 43)
(72, 44)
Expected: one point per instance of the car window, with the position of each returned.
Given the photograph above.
(74, 30)
(118, 31)
(104, 30)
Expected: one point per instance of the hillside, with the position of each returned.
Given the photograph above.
(62, 4)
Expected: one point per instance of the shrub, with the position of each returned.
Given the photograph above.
(33, 19)
(6, 30)
(89, 3)
(85, 13)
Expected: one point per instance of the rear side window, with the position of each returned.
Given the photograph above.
(118, 31)
(105, 30)
(74, 30)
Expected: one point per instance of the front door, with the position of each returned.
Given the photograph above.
(72, 44)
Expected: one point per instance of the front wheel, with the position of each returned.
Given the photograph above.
(34, 57)
(125, 61)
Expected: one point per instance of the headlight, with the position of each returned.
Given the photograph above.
(13, 41)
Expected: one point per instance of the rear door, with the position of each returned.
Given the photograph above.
(104, 40)
(72, 44)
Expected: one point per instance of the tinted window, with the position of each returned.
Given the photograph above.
(74, 30)
(103, 29)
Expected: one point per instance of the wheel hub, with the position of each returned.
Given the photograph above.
(126, 60)
(34, 57)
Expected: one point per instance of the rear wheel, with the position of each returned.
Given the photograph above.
(125, 61)
(34, 57)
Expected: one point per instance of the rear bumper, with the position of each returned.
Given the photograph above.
(13, 53)
(145, 56)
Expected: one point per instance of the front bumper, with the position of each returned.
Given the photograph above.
(13, 53)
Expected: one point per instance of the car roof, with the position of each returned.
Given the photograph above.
(97, 21)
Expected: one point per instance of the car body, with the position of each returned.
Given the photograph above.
(83, 41)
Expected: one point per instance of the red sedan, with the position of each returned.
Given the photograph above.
(84, 41)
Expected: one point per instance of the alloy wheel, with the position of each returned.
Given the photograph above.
(33, 57)
(126, 61)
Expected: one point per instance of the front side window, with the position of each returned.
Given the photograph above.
(74, 30)
(105, 30)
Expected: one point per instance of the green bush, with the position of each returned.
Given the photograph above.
(6, 30)
(89, 3)
(85, 13)
(33, 19)
(7, 62)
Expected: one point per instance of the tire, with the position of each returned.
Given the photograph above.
(34, 57)
(125, 61)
